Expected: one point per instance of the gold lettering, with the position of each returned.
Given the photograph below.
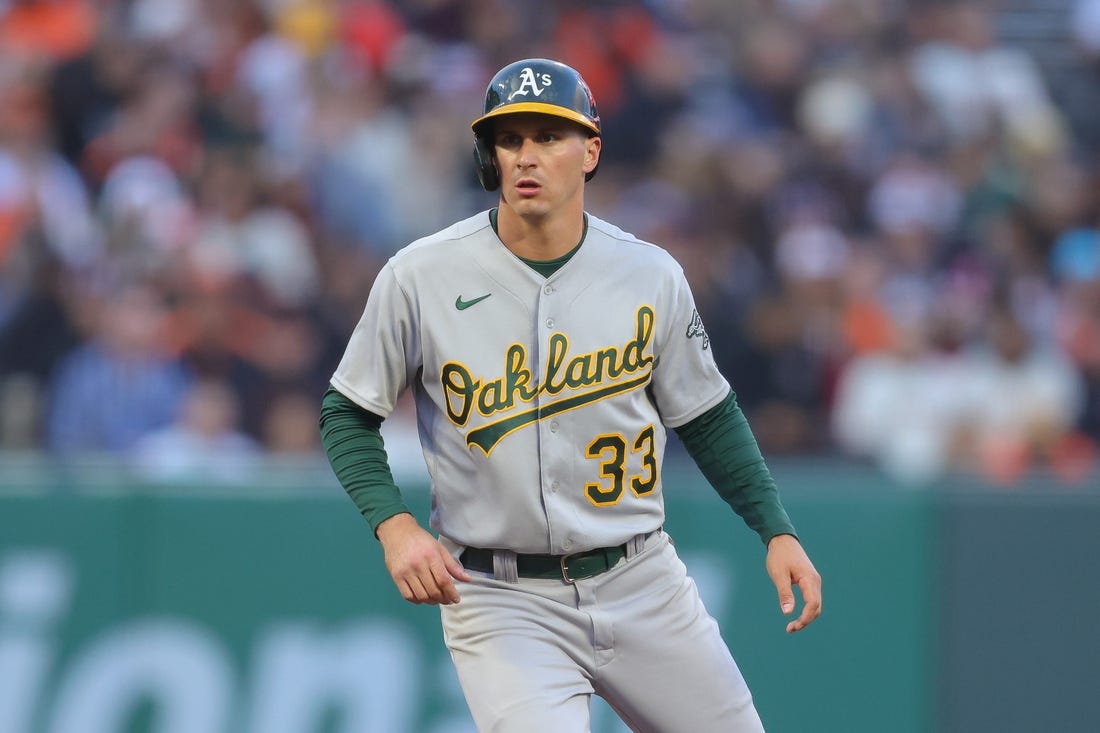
(579, 372)
(490, 398)
(607, 362)
(634, 356)
(462, 390)
(458, 384)
(518, 376)
(555, 356)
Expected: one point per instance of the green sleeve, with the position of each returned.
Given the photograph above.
(352, 439)
(723, 446)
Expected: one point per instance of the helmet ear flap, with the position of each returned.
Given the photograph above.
(486, 167)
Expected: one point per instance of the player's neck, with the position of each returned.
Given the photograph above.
(540, 238)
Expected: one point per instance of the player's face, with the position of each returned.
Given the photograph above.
(542, 161)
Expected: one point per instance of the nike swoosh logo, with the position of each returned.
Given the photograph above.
(464, 304)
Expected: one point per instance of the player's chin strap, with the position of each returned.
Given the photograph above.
(504, 566)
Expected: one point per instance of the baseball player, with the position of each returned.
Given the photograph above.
(548, 353)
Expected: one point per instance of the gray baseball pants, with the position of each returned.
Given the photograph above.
(530, 654)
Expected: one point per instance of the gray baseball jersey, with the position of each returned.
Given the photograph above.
(541, 402)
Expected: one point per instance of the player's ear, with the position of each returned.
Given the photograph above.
(592, 147)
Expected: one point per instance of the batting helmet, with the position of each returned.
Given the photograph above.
(531, 85)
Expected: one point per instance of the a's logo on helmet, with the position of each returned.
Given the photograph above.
(529, 83)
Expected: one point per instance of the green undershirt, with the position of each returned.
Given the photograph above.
(352, 438)
(719, 441)
(546, 268)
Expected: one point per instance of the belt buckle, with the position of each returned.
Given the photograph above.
(564, 561)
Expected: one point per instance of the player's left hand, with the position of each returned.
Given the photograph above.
(788, 565)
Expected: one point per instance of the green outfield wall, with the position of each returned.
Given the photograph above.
(266, 609)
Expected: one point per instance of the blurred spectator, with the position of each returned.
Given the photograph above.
(146, 213)
(157, 117)
(901, 407)
(1085, 25)
(1076, 263)
(35, 335)
(913, 195)
(773, 60)
(203, 445)
(367, 145)
(119, 385)
(53, 29)
(979, 85)
(39, 191)
(1000, 408)
(1023, 399)
(287, 429)
(86, 90)
(240, 234)
(1077, 87)
(795, 338)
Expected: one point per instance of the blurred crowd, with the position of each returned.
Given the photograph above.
(890, 215)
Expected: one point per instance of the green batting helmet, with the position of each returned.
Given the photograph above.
(531, 85)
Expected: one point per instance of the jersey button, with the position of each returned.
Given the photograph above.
(566, 544)
(554, 487)
(548, 289)
(549, 322)
(553, 426)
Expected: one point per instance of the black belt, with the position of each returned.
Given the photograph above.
(568, 567)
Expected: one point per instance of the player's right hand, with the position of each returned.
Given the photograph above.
(419, 564)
